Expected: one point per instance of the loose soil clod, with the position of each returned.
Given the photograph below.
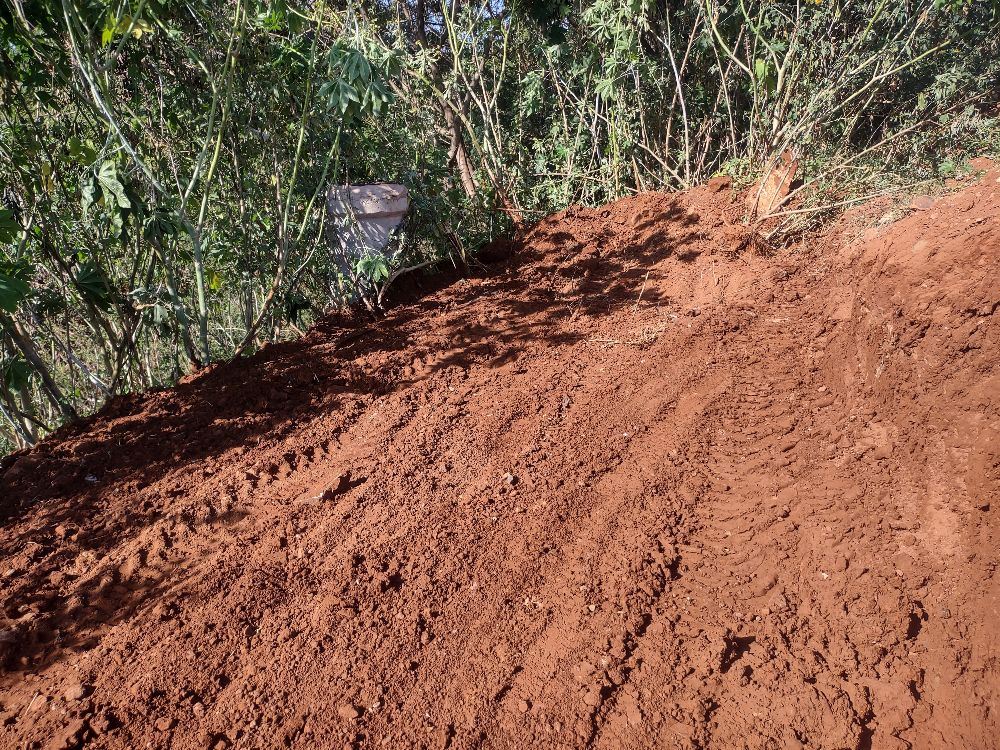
(751, 507)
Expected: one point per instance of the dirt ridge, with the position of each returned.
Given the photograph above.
(634, 486)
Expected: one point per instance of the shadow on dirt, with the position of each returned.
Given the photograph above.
(56, 510)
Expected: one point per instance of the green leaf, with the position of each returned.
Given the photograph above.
(605, 88)
(15, 373)
(81, 151)
(92, 285)
(161, 223)
(46, 181)
(88, 193)
(355, 88)
(214, 281)
(140, 27)
(9, 228)
(374, 267)
(107, 176)
(765, 75)
(108, 32)
(12, 291)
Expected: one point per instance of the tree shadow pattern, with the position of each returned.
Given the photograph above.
(99, 484)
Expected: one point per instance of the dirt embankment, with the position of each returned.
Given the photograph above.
(631, 488)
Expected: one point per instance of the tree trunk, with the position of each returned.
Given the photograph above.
(459, 153)
(27, 348)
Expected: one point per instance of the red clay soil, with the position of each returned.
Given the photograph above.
(636, 485)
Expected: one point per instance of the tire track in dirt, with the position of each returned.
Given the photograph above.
(614, 573)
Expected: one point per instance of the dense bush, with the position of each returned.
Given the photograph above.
(162, 201)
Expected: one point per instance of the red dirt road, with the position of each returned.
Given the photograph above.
(632, 488)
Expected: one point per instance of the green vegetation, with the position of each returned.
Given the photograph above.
(166, 161)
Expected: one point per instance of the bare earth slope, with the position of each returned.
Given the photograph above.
(632, 488)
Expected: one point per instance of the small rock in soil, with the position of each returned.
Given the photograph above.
(348, 712)
(75, 691)
(165, 724)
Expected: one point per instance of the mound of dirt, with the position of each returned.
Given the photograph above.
(635, 486)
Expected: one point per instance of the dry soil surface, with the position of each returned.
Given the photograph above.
(636, 485)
